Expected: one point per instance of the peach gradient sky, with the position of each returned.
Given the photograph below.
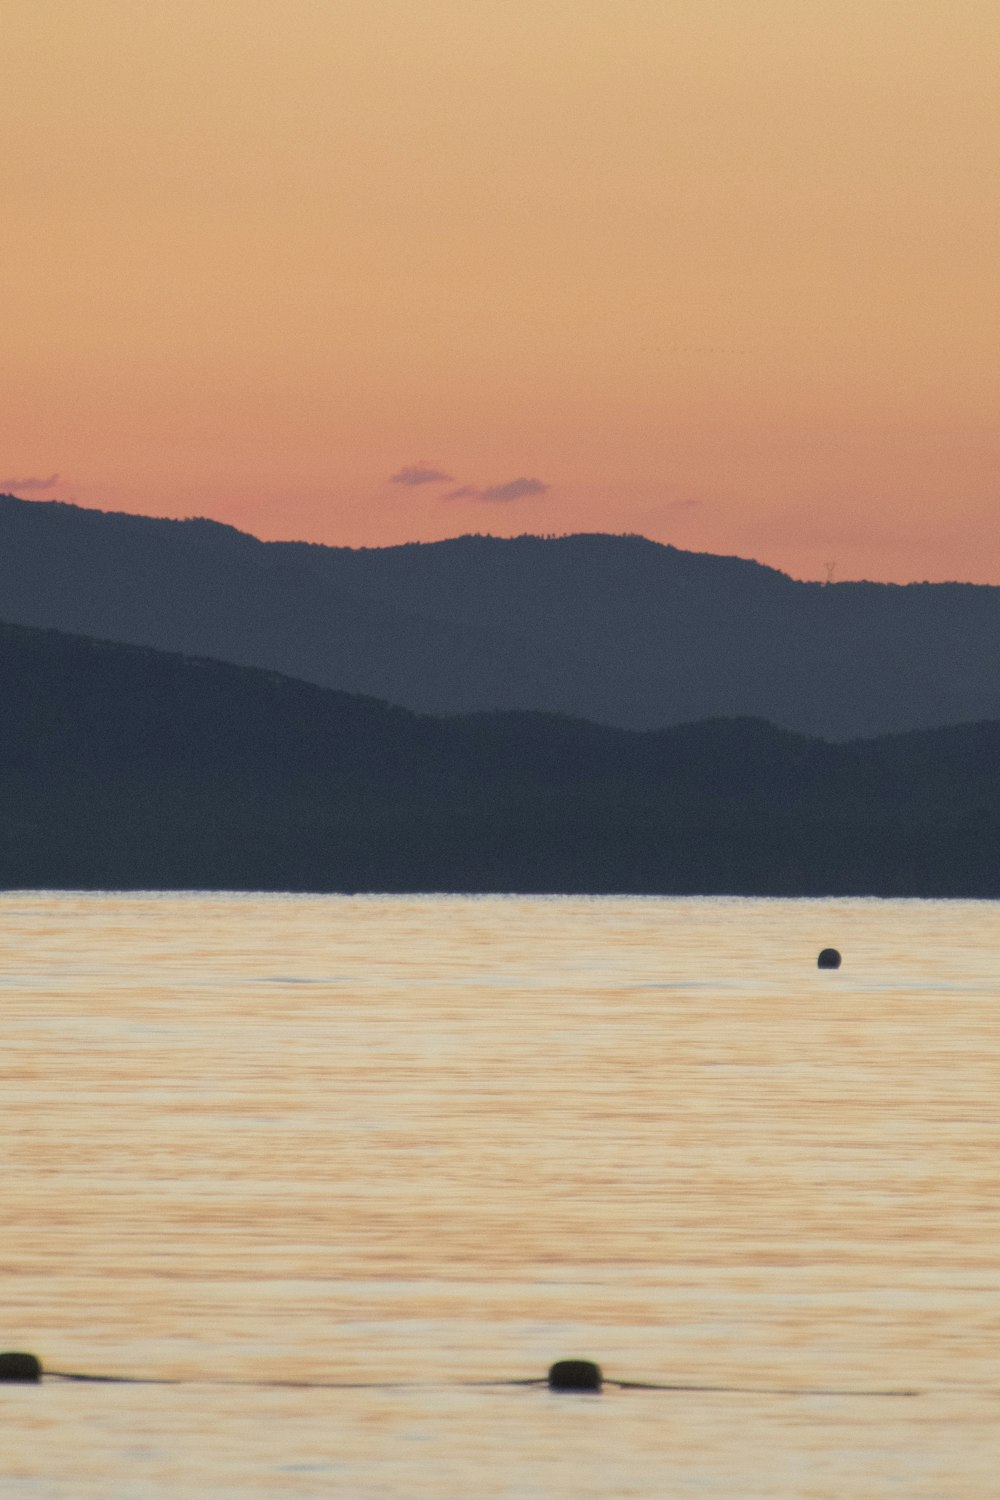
(724, 272)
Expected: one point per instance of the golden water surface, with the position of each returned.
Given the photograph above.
(393, 1147)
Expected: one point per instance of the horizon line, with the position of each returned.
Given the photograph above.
(827, 582)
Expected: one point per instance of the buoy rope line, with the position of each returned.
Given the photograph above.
(540, 1380)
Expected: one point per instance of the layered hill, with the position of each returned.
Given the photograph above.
(124, 767)
(617, 630)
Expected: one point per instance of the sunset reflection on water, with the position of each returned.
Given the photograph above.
(441, 1140)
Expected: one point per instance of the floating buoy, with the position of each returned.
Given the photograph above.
(575, 1375)
(828, 959)
(15, 1366)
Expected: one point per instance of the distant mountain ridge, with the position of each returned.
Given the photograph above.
(127, 768)
(614, 629)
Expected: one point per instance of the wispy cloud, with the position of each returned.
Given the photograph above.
(514, 489)
(32, 482)
(420, 473)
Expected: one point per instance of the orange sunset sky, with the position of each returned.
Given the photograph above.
(723, 272)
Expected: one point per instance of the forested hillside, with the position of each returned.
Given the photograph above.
(618, 630)
(123, 768)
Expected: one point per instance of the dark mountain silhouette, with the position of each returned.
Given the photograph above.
(617, 630)
(123, 767)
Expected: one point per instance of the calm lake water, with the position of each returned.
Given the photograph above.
(417, 1144)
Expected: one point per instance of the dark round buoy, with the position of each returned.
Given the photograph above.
(575, 1375)
(828, 959)
(14, 1366)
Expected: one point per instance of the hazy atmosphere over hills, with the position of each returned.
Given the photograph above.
(128, 768)
(718, 273)
(615, 629)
